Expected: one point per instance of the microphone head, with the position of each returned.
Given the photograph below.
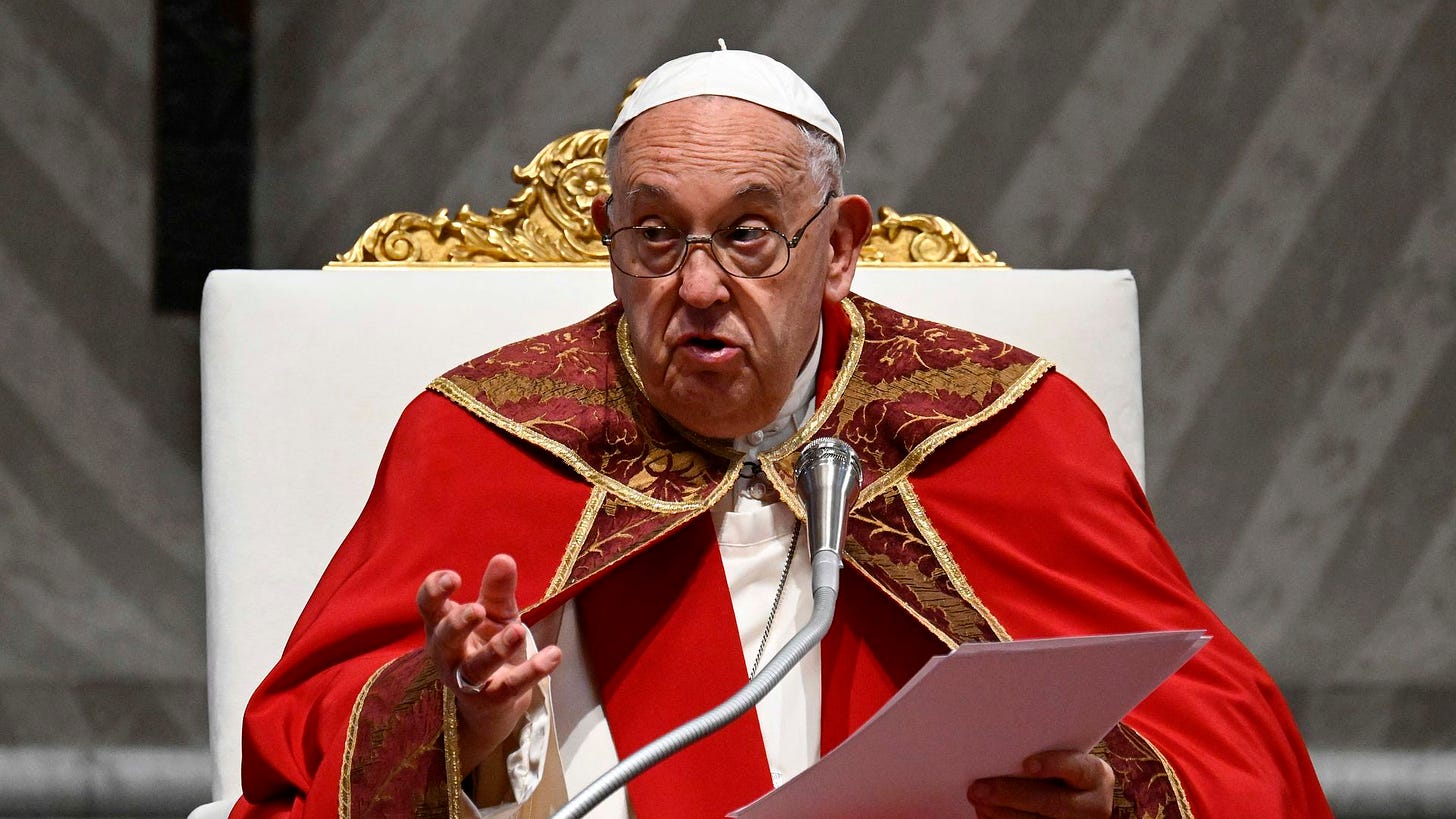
(826, 463)
(828, 476)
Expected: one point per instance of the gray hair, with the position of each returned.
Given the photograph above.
(826, 165)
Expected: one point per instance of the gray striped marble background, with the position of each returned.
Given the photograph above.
(1280, 176)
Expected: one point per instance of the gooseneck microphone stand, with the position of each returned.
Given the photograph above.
(828, 478)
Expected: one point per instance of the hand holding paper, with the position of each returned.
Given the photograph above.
(977, 713)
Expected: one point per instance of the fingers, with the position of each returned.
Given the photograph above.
(1082, 772)
(498, 676)
(498, 590)
(485, 640)
(502, 648)
(1062, 784)
(518, 678)
(993, 812)
(433, 597)
(452, 634)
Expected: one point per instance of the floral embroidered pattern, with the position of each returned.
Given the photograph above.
(917, 385)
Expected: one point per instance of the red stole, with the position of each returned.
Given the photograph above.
(666, 616)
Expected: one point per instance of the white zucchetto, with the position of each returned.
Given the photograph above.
(744, 75)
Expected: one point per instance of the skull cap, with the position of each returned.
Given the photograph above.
(744, 75)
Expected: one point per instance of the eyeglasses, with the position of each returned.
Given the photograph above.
(654, 251)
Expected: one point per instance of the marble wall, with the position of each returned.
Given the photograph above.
(1281, 177)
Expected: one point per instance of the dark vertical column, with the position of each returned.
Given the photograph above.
(204, 145)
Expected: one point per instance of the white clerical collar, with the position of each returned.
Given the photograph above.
(795, 412)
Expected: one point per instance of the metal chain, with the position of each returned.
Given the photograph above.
(778, 595)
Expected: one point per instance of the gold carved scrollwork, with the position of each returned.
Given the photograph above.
(919, 238)
(550, 221)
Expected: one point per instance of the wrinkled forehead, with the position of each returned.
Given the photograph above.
(749, 149)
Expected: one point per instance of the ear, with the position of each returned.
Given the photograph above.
(599, 214)
(851, 227)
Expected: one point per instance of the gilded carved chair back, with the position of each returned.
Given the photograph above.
(549, 221)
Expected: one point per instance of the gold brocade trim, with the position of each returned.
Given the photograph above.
(943, 557)
(593, 476)
(917, 456)
(1184, 806)
(629, 361)
(451, 740)
(578, 538)
(854, 560)
(822, 413)
(658, 537)
(351, 737)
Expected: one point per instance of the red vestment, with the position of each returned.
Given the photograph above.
(996, 506)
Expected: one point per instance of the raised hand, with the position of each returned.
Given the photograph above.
(480, 651)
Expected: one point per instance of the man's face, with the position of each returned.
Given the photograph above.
(716, 353)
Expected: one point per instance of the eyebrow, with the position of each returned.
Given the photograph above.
(758, 190)
(651, 191)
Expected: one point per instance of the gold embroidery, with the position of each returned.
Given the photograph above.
(641, 542)
(578, 537)
(1184, 807)
(628, 356)
(900, 556)
(856, 556)
(918, 455)
(778, 463)
(351, 737)
(594, 476)
(943, 557)
(451, 740)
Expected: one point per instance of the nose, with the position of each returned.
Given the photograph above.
(701, 283)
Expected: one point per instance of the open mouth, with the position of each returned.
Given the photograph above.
(709, 344)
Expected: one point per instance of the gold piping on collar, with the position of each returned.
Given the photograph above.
(788, 494)
(822, 411)
(594, 476)
(917, 456)
(943, 557)
(351, 738)
(628, 357)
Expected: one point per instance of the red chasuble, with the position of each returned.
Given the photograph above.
(995, 506)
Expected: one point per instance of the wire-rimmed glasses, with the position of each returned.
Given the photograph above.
(654, 251)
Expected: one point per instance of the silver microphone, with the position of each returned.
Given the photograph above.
(828, 478)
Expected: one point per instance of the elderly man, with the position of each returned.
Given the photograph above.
(632, 467)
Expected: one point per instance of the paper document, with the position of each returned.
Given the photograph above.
(978, 712)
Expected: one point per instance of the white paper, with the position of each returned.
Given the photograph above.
(979, 712)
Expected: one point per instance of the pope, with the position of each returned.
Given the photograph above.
(601, 534)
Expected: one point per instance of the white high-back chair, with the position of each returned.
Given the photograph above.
(305, 372)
